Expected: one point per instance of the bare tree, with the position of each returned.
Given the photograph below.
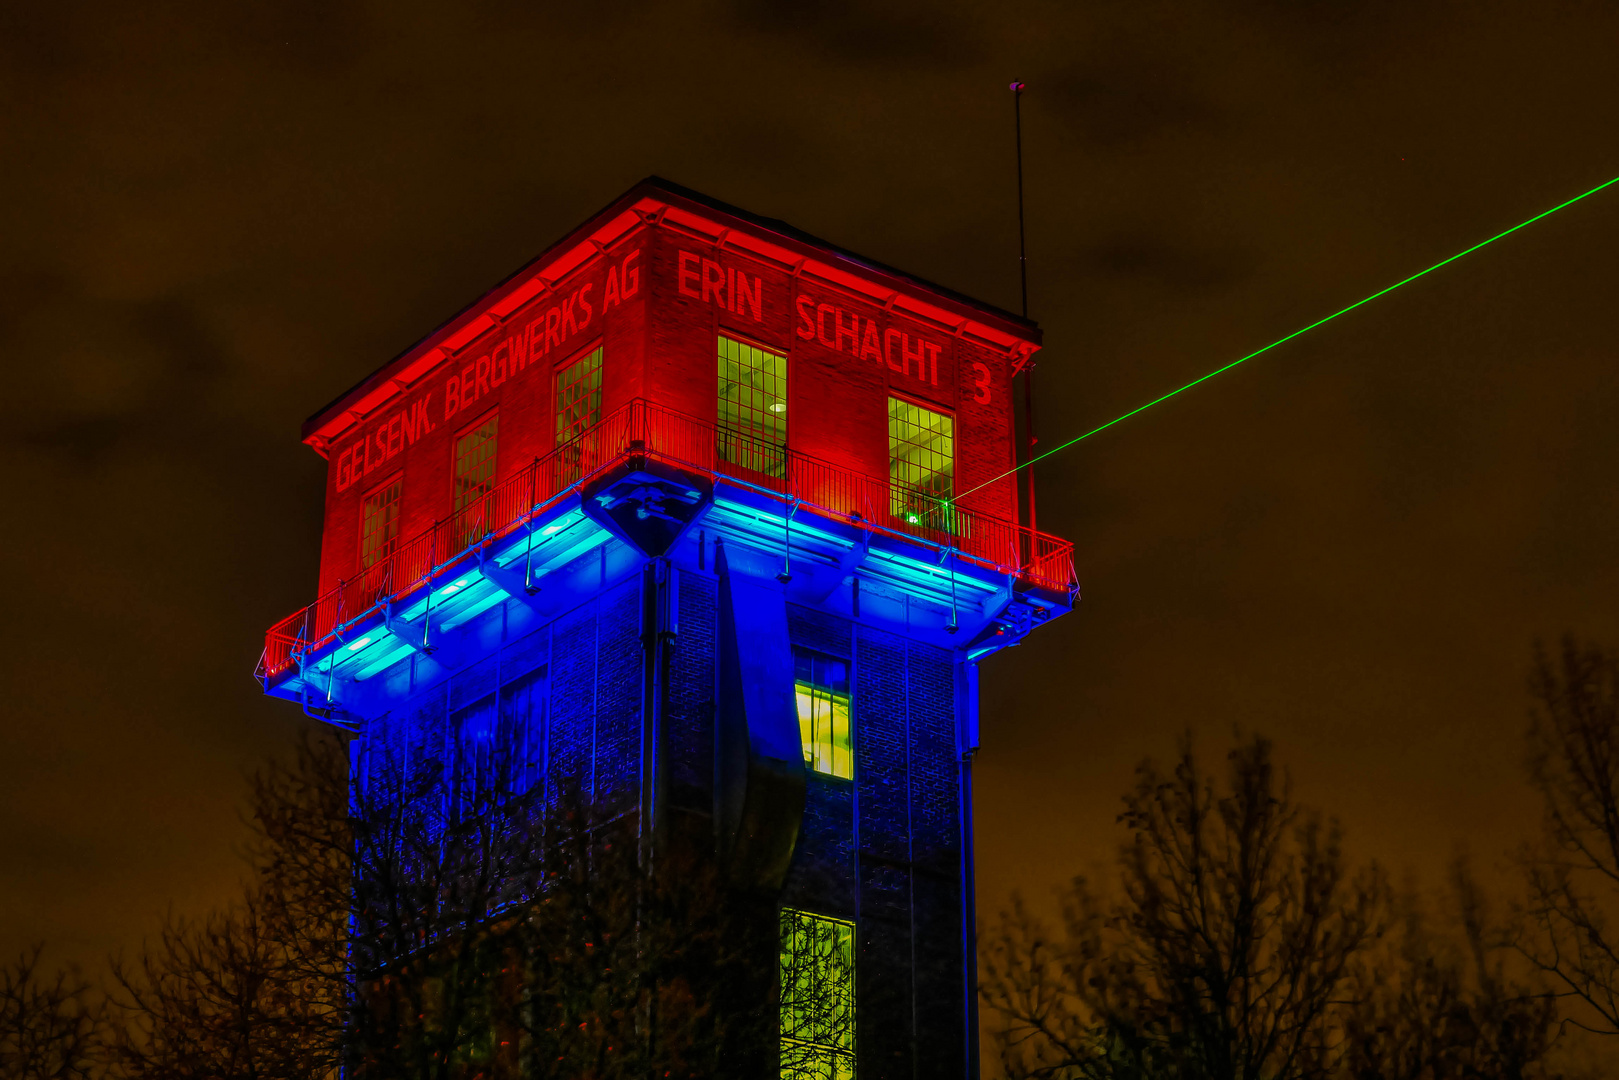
(449, 919)
(1234, 931)
(216, 998)
(513, 927)
(259, 989)
(1442, 1002)
(49, 1027)
(1567, 927)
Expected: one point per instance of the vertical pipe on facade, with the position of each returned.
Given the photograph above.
(550, 711)
(654, 675)
(967, 711)
(910, 834)
(510, 766)
(646, 823)
(854, 803)
(595, 668)
(668, 630)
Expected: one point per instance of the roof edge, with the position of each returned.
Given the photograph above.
(670, 193)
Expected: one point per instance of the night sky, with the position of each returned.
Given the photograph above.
(216, 217)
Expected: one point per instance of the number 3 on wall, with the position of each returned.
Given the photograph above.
(982, 373)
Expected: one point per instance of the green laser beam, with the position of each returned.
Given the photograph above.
(1290, 337)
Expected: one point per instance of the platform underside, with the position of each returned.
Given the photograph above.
(606, 531)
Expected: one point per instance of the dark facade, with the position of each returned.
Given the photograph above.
(698, 496)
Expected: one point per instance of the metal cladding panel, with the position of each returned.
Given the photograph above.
(759, 760)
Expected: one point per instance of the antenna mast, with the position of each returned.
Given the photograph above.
(1023, 284)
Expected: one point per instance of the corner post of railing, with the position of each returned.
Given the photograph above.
(432, 565)
(331, 677)
(300, 644)
(533, 516)
(950, 551)
(337, 621)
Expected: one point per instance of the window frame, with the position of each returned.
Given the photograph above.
(530, 733)
(939, 518)
(756, 448)
(836, 1060)
(466, 538)
(398, 518)
(810, 746)
(573, 359)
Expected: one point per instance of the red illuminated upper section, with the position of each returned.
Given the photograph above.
(848, 363)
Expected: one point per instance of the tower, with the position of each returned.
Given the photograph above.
(684, 491)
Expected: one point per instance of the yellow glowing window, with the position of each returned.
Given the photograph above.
(921, 463)
(579, 396)
(817, 997)
(752, 408)
(821, 686)
(379, 523)
(474, 479)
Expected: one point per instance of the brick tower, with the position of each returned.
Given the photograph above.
(683, 492)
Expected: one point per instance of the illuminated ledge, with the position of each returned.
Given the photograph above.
(568, 557)
(680, 454)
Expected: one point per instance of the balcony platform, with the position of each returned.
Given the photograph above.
(562, 531)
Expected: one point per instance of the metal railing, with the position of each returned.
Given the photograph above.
(643, 429)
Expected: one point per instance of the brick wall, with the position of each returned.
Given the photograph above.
(527, 416)
(586, 716)
(689, 717)
(885, 849)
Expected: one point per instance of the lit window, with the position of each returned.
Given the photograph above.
(474, 479)
(579, 409)
(817, 997)
(579, 396)
(752, 408)
(921, 464)
(379, 523)
(821, 685)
